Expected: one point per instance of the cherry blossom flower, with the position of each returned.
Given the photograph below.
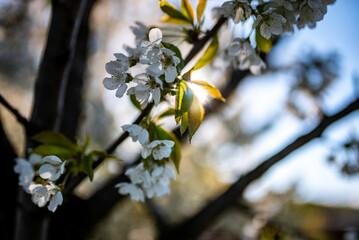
(270, 23)
(52, 169)
(42, 194)
(238, 10)
(159, 149)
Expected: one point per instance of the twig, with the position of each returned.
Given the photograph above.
(18, 116)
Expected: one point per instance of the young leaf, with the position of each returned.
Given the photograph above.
(187, 10)
(167, 113)
(169, 19)
(86, 164)
(135, 102)
(184, 99)
(211, 90)
(98, 153)
(200, 9)
(172, 11)
(263, 44)
(162, 134)
(184, 122)
(178, 54)
(208, 55)
(195, 117)
(54, 138)
(48, 149)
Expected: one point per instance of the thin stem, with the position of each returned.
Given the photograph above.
(18, 116)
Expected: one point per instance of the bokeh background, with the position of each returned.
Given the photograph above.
(312, 194)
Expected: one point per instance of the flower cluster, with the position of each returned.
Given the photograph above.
(43, 190)
(271, 18)
(159, 65)
(154, 178)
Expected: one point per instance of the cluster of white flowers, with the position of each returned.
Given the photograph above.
(244, 56)
(273, 17)
(153, 179)
(159, 64)
(49, 168)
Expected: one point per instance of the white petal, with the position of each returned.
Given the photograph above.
(265, 30)
(156, 94)
(55, 202)
(146, 152)
(155, 35)
(143, 136)
(111, 83)
(171, 74)
(121, 90)
(52, 159)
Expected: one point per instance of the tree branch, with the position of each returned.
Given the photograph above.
(192, 227)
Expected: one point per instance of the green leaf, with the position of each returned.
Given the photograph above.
(172, 11)
(208, 55)
(200, 9)
(167, 113)
(195, 117)
(178, 54)
(86, 165)
(263, 44)
(184, 122)
(187, 10)
(54, 138)
(162, 134)
(184, 99)
(135, 102)
(211, 90)
(48, 149)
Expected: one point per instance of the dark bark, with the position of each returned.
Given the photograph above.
(9, 180)
(53, 63)
(192, 227)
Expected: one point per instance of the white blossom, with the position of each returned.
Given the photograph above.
(160, 181)
(270, 23)
(26, 173)
(140, 31)
(147, 182)
(52, 169)
(312, 11)
(238, 10)
(136, 132)
(245, 57)
(136, 193)
(55, 201)
(159, 149)
(40, 194)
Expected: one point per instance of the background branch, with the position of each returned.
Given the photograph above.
(193, 226)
